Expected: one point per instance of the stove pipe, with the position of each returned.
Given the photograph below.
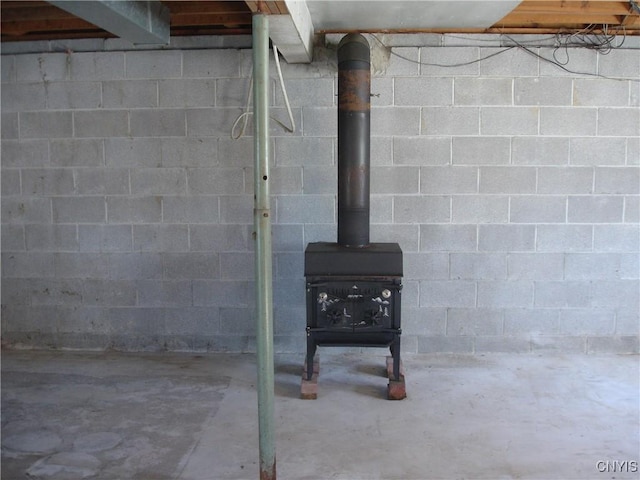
(354, 105)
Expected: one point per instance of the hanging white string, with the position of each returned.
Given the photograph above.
(244, 117)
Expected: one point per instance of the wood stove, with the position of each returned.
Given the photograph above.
(354, 286)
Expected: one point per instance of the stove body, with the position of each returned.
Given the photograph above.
(354, 287)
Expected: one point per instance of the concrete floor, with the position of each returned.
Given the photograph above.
(193, 417)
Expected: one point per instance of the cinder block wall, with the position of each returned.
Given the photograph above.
(512, 186)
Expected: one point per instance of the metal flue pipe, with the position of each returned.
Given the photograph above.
(263, 251)
(354, 107)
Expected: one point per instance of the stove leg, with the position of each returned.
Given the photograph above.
(396, 390)
(311, 352)
(395, 353)
(309, 386)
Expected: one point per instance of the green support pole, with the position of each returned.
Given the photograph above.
(262, 225)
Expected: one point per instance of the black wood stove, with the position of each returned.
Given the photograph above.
(353, 286)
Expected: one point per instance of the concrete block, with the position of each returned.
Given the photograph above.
(550, 91)
(510, 238)
(158, 123)
(537, 209)
(77, 153)
(134, 209)
(445, 344)
(73, 95)
(616, 238)
(12, 238)
(22, 210)
(411, 293)
(508, 120)
(320, 121)
(78, 209)
(51, 238)
(633, 151)
(627, 320)
(535, 266)
(288, 292)
(109, 293)
(452, 238)
(187, 93)
(25, 153)
(381, 91)
(225, 293)
(130, 94)
(596, 266)
(399, 66)
(233, 92)
(442, 62)
(449, 180)
(192, 321)
(96, 66)
(285, 238)
(474, 321)
(56, 292)
(289, 265)
(387, 121)
(423, 321)
(133, 152)
(27, 265)
(595, 209)
(8, 68)
(158, 181)
(210, 122)
(49, 67)
(47, 182)
(211, 63)
(623, 344)
(284, 180)
(561, 344)
(381, 151)
(239, 209)
(563, 121)
(575, 60)
(531, 321)
(600, 92)
(509, 63)
(81, 265)
(562, 294)
(313, 152)
(618, 121)
(163, 293)
(316, 92)
(399, 180)
(161, 238)
(505, 294)
(45, 124)
(447, 293)
(237, 266)
(23, 97)
(564, 238)
(316, 180)
(236, 320)
(623, 63)
(481, 151)
(614, 293)
(178, 266)
(480, 209)
(516, 180)
(540, 151)
(500, 344)
(14, 293)
(597, 151)
(199, 209)
(218, 238)
(105, 238)
(632, 209)
(421, 151)
(587, 322)
(189, 152)
(421, 209)
(134, 266)
(559, 180)
(434, 266)
(10, 182)
(10, 128)
(478, 266)
(423, 91)
(483, 91)
(617, 180)
(154, 64)
(101, 123)
(455, 120)
(102, 181)
(408, 236)
(309, 209)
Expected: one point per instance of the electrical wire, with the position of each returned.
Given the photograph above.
(247, 112)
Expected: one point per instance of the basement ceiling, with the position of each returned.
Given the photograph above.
(40, 20)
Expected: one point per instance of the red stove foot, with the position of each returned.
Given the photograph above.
(396, 390)
(309, 388)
